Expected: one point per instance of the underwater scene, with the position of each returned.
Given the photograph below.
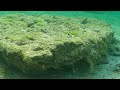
(59, 44)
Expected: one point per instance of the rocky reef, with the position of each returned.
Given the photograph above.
(44, 43)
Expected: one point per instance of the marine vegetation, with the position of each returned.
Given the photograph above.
(41, 43)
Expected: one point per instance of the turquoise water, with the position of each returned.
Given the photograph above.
(111, 17)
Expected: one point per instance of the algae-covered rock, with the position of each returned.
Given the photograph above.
(41, 43)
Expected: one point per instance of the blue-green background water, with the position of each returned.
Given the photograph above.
(111, 17)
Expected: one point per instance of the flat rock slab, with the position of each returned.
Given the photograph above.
(39, 43)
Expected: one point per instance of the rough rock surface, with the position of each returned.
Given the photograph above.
(48, 43)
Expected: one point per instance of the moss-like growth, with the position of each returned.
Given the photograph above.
(44, 43)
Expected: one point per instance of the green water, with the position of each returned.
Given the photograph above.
(111, 17)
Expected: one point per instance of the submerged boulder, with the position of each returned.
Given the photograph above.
(43, 43)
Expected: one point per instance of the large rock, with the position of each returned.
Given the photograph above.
(40, 43)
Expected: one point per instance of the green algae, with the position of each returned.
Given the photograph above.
(43, 42)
